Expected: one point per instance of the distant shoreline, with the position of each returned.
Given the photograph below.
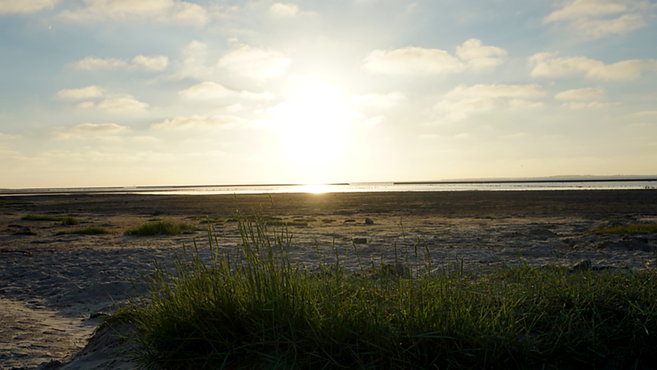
(446, 185)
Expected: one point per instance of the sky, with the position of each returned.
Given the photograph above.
(172, 92)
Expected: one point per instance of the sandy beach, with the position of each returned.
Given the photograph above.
(54, 288)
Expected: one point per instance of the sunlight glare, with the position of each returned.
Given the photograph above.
(313, 122)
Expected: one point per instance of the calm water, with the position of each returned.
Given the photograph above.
(358, 187)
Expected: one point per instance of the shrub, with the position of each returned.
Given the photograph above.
(161, 228)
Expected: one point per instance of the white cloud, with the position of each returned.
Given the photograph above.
(155, 63)
(591, 19)
(253, 62)
(91, 130)
(412, 60)
(585, 105)
(130, 10)
(284, 9)
(8, 137)
(647, 114)
(577, 9)
(89, 92)
(95, 63)
(550, 65)
(479, 56)
(86, 105)
(206, 91)
(25, 6)
(194, 61)
(192, 122)
(496, 91)
(464, 101)
(587, 93)
(209, 90)
(380, 101)
(117, 105)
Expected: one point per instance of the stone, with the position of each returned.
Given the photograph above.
(583, 265)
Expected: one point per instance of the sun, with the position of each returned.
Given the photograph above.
(313, 122)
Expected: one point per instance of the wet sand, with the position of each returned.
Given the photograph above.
(52, 287)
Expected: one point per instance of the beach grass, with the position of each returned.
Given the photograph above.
(69, 221)
(153, 228)
(628, 229)
(255, 308)
(90, 230)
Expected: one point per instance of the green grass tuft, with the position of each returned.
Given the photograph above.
(257, 309)
(91, 230)
(69, 221)
(161, 228)
(628, 229)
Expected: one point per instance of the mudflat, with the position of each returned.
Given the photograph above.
(55, 283)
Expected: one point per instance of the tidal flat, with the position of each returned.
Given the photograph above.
(56, 285)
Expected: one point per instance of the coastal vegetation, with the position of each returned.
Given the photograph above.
(69, 221)
(153, 228)
(90, 230)
(255, 308)
(628, 229)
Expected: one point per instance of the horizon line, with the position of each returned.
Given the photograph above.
(147, 188)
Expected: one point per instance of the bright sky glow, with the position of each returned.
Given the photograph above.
(168, 92)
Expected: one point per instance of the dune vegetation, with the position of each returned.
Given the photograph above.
(153, 228)
(256, 308)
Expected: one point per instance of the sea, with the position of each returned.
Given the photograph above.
(451, 185)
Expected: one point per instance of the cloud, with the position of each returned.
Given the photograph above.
(550, 65)
(209, 90)
(118, 105)
(192, 122)
(584, 98)
(592, 19)
(647, 114)
(253, 62)
(464, 101)
(412, 60)
(95, 63)
(87, 130)
(478, 56)
(496, 91)
(379, 101)
(8, 137)
(165, 11)
(284, 10)
(89, 92)
(194, 61)
(153, 63)
(587, 93)
(25, 6)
